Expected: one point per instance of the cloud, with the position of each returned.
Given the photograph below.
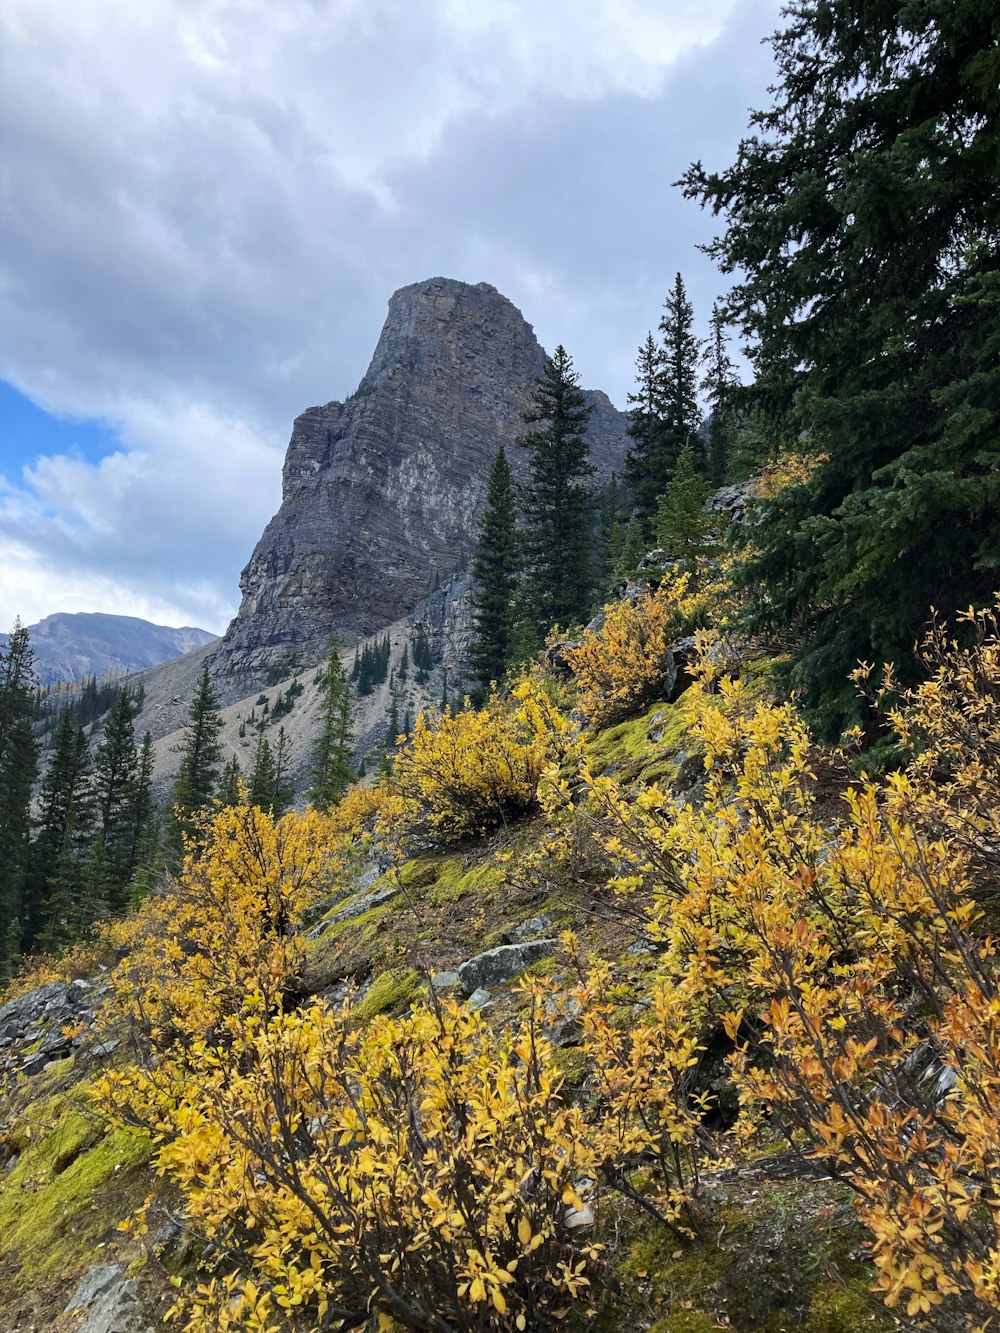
(204, 208)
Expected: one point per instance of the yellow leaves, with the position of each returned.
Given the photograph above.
(466, 772)
(524, 1231)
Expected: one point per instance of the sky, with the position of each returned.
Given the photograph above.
(205, 206)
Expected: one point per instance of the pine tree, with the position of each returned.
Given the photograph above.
(863, 211)
(18, 770)
(115, 777)
(495, 568)
(681, 355)
(201, 756)
(681, 521)
(634, 546)
(719, 386)
(261, 784)
(330, 772)
(648, 461)
(283, 789)
(404, 662)
(230, 790)
(56, 908)
(555, 502)
(612, 522)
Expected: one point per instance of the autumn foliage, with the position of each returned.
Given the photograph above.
(470, 771)
(423, 1171)
(625, 663)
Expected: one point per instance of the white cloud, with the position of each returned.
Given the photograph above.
(204, 205)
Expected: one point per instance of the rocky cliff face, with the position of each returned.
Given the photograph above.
(385, 490)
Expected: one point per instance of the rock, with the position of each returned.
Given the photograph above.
(113, 1302)
(354, 909)
(479, 999)
(538, 925)
(97, 1280)
(382, 490)
(444, 980)
(557, 655)
(501, 964)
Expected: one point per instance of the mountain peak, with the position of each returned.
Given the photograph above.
(385, 491)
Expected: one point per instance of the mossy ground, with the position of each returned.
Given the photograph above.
(772, 1257)
(70, 1180)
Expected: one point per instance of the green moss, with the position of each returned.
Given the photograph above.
(571, 1061)
(685, 1321)
(75, 1179)
(627, 750)
(390, 992)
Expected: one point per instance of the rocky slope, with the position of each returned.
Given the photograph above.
(384, 491)
(90, 643)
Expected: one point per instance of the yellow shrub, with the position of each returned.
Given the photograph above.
(467, 772)
(842, 963)
(221, 945)
(624, 665)
(420, 1171)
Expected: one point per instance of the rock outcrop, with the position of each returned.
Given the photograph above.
(385, 491)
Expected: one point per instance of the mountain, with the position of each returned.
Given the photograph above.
(89, 643)
(384, 492)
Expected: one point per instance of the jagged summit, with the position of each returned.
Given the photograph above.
(386, 489)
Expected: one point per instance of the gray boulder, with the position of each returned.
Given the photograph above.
(501, 964)
(112, 1300)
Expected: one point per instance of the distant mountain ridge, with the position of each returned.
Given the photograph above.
(72, 645)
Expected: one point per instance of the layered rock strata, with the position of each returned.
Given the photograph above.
(384, 492)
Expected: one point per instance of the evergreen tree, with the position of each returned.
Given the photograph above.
(283, 789)
(145, 826)
(634, 546)
(681, 355)
(18, 770)
(57, 908)
(555, 502)
(648, 461)
(681, 523)
(404, 662)
(495, 568)
(612, 522)
(863, 212)
(230, 791)
(115, 777)
(263, 774)
(330, 772)
(719, 385)
(201, 755)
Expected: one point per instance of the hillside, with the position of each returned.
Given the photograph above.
(72, 646)
(586, 802)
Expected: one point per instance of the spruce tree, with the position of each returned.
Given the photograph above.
(330, 772)
(201, 756)
(60, 900)
(681, 523)
(719, 385)
(633, 547)
(555, 501)
(648, 461)
(262, 782)
(681, 355)
(115, 777)
(18, 770)
(495, 568)
(230, 790)
(863, 211)
(612, 522)
(283, 788)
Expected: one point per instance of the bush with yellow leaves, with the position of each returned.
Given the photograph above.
(845, 965)
(624, 664)
(421, 1171)
(468, 772)
(223, 942)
